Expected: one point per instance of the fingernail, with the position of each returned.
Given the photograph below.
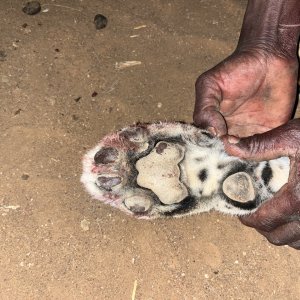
(212, 131)
(233, 139)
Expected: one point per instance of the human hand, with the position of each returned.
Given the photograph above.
(278, 219)
(252, 91)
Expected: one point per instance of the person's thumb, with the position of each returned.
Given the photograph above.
(207, 105)
(281, 141)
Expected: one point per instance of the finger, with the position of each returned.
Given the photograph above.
(281, 141)
(284, 235)
(273, 213)
(211, 120)
(206, 112)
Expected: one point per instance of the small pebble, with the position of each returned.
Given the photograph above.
(100, 21)
(77, 99)
(17, 112)
(32, 8)
(25, 176)
(85, 225)
(94, 94)
(27, 30)
(2, 55)
(159, 105)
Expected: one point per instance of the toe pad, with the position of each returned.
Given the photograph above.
(239, 187)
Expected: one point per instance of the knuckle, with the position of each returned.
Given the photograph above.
(262, 221)
(202, 80)
(275, 240)
(199, 81)
(255, 144)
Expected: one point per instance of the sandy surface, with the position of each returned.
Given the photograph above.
(58, 243)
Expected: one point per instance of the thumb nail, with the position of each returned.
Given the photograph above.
(233, 139)
(212, 131)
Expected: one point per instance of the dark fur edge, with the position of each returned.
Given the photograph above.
(183, 207)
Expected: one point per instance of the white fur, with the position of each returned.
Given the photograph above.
(201, 152)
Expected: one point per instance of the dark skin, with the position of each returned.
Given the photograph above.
(253, 91)
(250, 92)
(279, 218)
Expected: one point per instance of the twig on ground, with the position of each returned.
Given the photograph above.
(134, 290)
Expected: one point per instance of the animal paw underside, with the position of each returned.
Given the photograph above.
(176, 169)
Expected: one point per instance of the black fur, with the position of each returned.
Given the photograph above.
(203, 175)
(186, 205)
(210, 136)
(267, 174)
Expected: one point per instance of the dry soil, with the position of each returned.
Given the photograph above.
(60, 93)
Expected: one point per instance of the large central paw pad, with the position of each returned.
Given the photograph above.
(159, 172)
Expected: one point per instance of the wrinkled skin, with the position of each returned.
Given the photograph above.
(253, 91)
(279, 218)
(250, 92)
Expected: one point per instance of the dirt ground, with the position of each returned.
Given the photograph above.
(60, 93)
